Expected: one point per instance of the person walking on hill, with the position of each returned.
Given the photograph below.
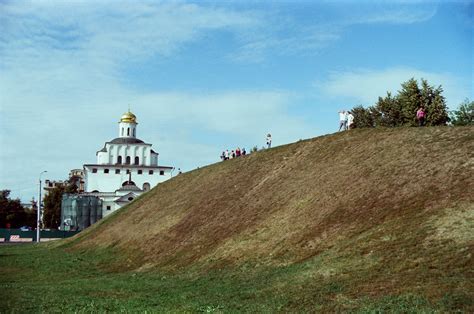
(350, 120)
(244, 152)
(269, 140)
(237, 152)
(226, 154)
(420, 116)
(342, 120)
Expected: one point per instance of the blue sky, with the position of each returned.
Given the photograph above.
(205, 76)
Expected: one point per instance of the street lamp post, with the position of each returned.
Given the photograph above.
(38, 216)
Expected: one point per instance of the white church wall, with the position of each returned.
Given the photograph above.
(111, 181)
(127, 150)
(100, 157)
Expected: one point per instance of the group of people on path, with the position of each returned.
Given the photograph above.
(346, 120)
(226, 155)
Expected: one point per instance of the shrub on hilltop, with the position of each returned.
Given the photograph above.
(464, 115)
(400, 110)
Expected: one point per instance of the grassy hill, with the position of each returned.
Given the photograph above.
(375, 219)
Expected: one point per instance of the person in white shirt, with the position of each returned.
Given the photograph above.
(342, 120)
(350, 120)
(269, 140)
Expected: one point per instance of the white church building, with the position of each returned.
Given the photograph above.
(126, 167)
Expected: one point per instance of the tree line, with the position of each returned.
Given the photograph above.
(400, 110)
(13, 214)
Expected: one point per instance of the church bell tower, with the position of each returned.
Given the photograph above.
(128, 125)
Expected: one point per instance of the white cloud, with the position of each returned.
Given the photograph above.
(398, 17)
(393, 12)
(300, 40)
(58, 36)
(364, 86)
(281, 35)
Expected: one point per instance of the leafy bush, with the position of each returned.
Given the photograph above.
(363, 118)
(400, 110)
(464, 115)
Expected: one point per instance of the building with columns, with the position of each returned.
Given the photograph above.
(126, 167)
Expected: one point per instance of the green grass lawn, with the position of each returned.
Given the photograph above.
(41, 278)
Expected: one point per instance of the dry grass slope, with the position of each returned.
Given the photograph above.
(389, 209)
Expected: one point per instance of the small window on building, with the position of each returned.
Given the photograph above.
(140, 171)
(137, 160)
(130, 198)
(108, 208)
(122, 131)
(94, 170)
(162, 172)
(119, 159)
(128, 131)
(117, 171)
(133, 132)
(146, 186)
(106, 170)
(128, 171)
(127, 160)
(150, 172)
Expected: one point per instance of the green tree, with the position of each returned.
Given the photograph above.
(410, 100)
(387, 112)
(464, 115)
(12, 213)
(434, 103)
(52, 205)
(363, 118)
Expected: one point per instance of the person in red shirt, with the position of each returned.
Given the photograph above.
(420, 116)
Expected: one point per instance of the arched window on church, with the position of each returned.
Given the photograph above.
(119, 159)
(127, 160)
(128, 131)
(133, 132)
(146, 186)
(137, 160)
(122, 131)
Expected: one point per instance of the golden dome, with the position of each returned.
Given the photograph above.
(128, 117)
